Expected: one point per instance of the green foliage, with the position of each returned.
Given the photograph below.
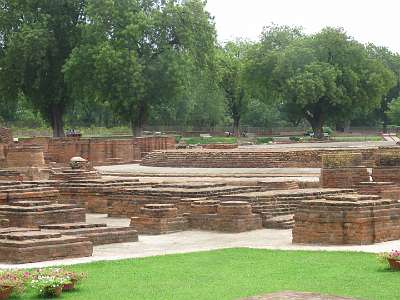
(295, 139)
(264, 140)
(37, 38)
(135, 54)
(231, 63)
(209, 140)
(324, 77)
(393, 112)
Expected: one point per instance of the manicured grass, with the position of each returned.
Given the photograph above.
(370, 138)
(210, 140)
(236, 273)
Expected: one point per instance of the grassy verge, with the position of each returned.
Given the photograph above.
(236, 273)
(209, 140)
(370, 138)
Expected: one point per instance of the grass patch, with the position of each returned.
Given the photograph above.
(209, 140)
(236, 273)
(369, 138)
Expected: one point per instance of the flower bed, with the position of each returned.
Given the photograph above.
(48, 283)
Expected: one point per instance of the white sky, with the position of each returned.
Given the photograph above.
(376, 21)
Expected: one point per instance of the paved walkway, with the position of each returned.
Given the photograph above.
(138, 170)
(193, 241)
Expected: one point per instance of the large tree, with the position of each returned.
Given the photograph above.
(135, 53)
(328, 76)
(232, 62)
(36, 39)
(392, 61)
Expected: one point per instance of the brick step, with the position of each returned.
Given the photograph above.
(279, 222)
(67, 226)
(32, 203)
(51, 207)
(98, 234)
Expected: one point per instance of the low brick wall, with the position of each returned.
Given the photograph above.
(157, 219)
(240, 158)
(343, 177)
(25, 156)
(99, 151)
(17, 246)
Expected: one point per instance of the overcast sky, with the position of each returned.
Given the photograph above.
(376, 21)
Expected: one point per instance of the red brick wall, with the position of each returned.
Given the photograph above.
(101, 150)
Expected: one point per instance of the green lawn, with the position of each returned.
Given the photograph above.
(209, 140)
(367, 138)
(235, 273)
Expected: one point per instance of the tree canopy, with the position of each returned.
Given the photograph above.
(135, 53)
(37, 38)
(327, 76)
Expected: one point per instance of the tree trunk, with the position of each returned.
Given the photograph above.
(317, 124)
(236, 126)
(138, 124)
(56, 120)
(137, 129)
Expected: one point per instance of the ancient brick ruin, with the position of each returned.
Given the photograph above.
(350, 206)
(33, 220)
(347, 220)
(256, 158)
(343, 170)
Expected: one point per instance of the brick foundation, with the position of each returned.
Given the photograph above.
(343, 177)
(347, 220)
(35, 246)
(158, 219)
(240, 158)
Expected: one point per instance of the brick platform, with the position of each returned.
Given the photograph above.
(280, 203)
(226, 216)
(98, 234)
(25, 156)
(33, 246)
(240, 158)
(158, 219)
(128, 202)
(347, 220)
(343, 177)
(387, 167)
(237, 216)
(33, 214)
(343, 170)
(378, 188)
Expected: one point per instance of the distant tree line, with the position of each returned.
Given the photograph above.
(157, 62)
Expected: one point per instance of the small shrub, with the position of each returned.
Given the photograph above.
(295, 139)
(327, 130)
(178, 138)
(264, 140)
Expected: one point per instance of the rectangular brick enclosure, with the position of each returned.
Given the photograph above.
(347, 220)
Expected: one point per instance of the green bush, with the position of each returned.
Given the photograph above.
(178, 138)
(295, 139)
(264, 140)
(327, 130)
